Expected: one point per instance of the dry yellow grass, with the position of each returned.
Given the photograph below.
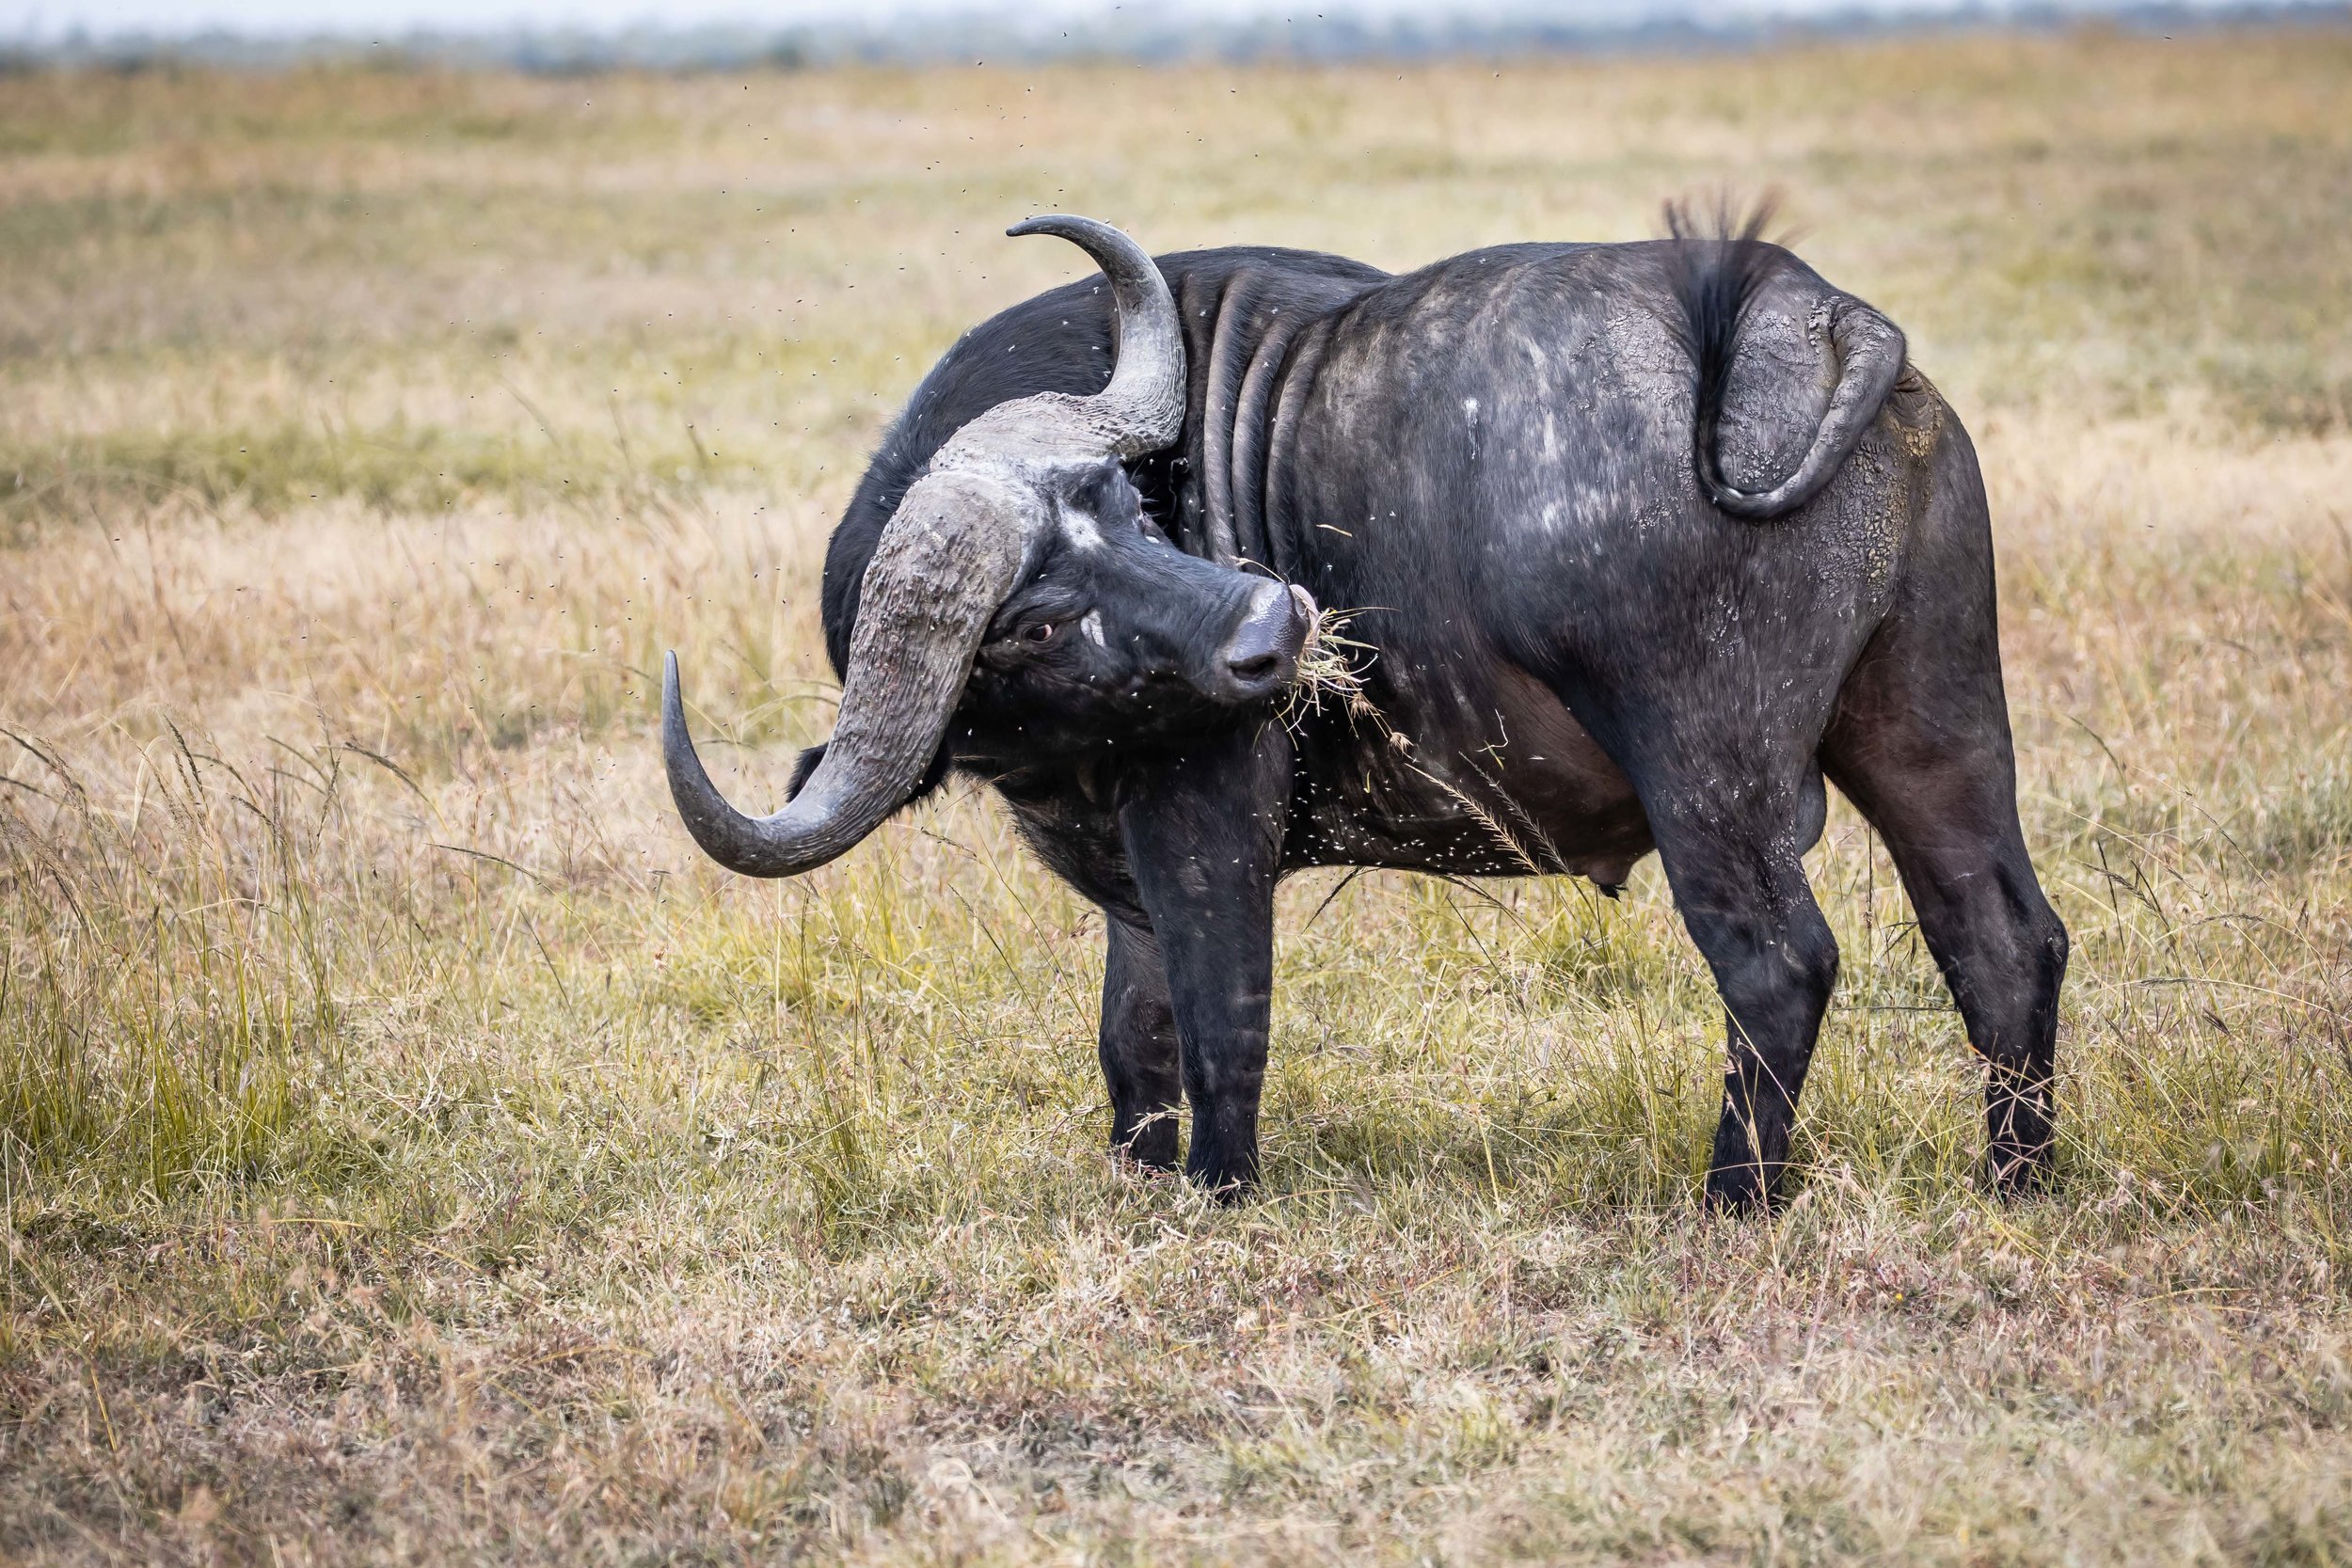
(413, 1152)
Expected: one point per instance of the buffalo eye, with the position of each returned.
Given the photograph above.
(1042, 633)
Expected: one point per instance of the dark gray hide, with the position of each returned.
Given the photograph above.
(1581, 652)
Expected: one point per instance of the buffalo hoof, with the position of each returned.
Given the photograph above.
(1226, 1182)
(1739, 1192)
(2012, 1172)
(1148, 1144)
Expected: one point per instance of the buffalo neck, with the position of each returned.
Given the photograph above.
(1251, 319)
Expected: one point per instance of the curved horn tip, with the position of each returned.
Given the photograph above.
(1142, 408)
(677, 741)
(1067, 225)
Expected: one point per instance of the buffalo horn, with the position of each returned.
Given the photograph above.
(955, 547)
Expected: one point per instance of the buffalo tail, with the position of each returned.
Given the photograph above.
(1715, 277)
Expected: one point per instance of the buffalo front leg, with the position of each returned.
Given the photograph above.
(1139, 1046)
(1203, 840)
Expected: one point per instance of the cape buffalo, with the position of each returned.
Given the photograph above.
(1644, 541)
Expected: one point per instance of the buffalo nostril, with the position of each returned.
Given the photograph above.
(1265, 645)
(1254, 669)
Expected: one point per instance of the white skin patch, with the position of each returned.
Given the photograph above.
(1092, 624)
(1080, 531)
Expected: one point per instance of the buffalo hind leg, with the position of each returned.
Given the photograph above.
(1137, 1045)
(1739, 885)
(1920, 743)
(1932, 770)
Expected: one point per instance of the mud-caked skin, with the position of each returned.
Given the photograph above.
(1587, 639)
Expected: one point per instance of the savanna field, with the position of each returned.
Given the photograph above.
(414, 1151)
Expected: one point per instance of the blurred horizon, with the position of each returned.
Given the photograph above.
(589, 34)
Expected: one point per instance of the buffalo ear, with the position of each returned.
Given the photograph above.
(933, 776)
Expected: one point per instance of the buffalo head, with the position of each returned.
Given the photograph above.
(1021, 593)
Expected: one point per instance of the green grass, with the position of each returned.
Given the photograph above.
(413, 1151)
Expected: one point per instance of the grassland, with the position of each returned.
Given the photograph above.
(411, 1151)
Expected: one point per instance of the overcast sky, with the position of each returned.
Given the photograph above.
(50, 19)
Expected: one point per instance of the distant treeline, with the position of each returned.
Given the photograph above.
(979, 39)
